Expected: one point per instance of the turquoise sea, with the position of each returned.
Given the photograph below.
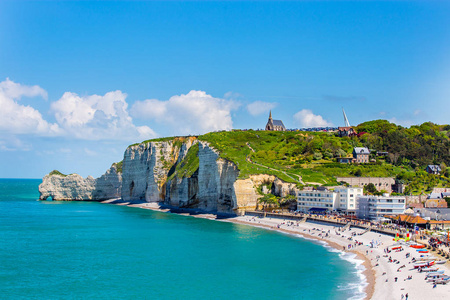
(88, 250)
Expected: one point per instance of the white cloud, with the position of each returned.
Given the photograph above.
(259, 107)
(20, 119)
(306, 118)
(193, 113)
(16, 90)
(12, 143)
(97, 117)
(232, 95)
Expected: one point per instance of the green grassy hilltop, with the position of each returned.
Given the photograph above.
(310, 157)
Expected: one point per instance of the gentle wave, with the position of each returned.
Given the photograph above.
(357, 288)
(359, 270)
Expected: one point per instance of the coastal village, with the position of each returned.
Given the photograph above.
(403, 239)
(398, 240)
(248, 150)
(377, 199)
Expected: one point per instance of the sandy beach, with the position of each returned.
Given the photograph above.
(380, 273)
(383, 279)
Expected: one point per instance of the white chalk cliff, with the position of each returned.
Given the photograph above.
(183, 172)
(74, 187)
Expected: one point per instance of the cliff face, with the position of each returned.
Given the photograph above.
(75, 187)
(183, 172)
(210, 188)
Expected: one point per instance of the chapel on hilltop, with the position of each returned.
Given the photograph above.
(274, 125)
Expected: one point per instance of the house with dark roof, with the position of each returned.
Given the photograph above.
(274, 125)
(344, 160)
(346, 131)
(361, 155)
(433, 169)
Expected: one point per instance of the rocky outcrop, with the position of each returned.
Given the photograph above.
(182, 172)
(74, 187)
(282, 189)
(146, 167)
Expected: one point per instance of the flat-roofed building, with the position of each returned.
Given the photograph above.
(375, 207)
(346, 200)
(323, 199)
(317, 200)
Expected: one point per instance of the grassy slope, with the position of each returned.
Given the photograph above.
(290, 152)
(187, 166)
(288, 155)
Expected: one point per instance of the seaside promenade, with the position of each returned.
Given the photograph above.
(335, 220)
(440, 250)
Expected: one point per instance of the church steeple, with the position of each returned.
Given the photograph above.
(270, 115)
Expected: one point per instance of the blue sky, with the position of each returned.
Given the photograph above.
(79, 81)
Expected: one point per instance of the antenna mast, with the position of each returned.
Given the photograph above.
(347, 123)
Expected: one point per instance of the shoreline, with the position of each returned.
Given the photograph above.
(383, 279)
(367, 272)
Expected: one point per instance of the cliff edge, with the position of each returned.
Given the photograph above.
(183, 172)
(60, 187)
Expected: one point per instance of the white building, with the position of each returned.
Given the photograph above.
(375, 207)
(322, 199)
(347, 199)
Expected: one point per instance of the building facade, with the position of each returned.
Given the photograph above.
(381, 183)
(361, 155)
(274, 125)
(346, 131)
(340, 199)
(346, 201)
(375, 207)
(433, 169)
(436, 203)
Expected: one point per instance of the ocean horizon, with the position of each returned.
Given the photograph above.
(77, 249)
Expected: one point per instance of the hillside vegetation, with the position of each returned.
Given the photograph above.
(310, 157)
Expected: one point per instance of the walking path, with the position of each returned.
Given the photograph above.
(270, 168)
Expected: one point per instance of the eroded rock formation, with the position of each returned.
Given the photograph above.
(183, 172)
(74, 187)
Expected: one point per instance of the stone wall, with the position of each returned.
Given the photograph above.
(381, 183)
(416, 199)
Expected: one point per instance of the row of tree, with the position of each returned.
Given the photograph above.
(418, 145)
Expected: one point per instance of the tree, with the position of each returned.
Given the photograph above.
(268, 199)
(370, 189)
(288, 200)
(341, 153)
(317, 155)
(358, 173)
(447, 199)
